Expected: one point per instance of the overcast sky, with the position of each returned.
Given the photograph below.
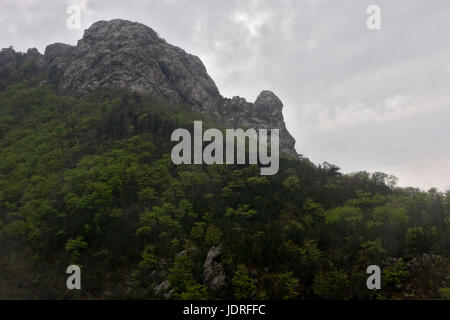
(375, 100)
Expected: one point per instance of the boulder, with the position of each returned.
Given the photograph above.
(213, 272)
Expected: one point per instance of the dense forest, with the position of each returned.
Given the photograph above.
(89, 181)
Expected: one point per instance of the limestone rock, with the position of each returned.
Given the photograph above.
(213, 272)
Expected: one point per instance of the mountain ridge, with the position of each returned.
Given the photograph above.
(130, 55)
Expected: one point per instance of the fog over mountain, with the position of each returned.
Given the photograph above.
(361, 99)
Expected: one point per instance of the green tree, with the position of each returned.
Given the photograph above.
(213, 236)
(331, 285)
(243, 285)
(74, 247)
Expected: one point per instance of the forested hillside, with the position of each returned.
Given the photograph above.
(89, 181)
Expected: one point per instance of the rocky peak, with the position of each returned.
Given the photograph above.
(264, 113)
(7, 55)
(268, 105)
(57, 51)
(120, 31)
(14, 64)
(130, 55)
(33, 56)
(213, 271)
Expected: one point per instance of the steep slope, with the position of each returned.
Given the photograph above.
(89, 181)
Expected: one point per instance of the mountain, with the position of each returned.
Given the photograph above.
(130, 55)
(86, 179)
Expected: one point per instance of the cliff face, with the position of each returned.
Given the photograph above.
(130, 55)
(265, 112)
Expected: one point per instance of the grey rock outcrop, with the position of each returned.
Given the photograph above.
(264, 113)
(9, 58)
(34, 57)
(213, 272)
(161, 288)
(58, 52)
(124, 54)
(57, 58)
(130, 55)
